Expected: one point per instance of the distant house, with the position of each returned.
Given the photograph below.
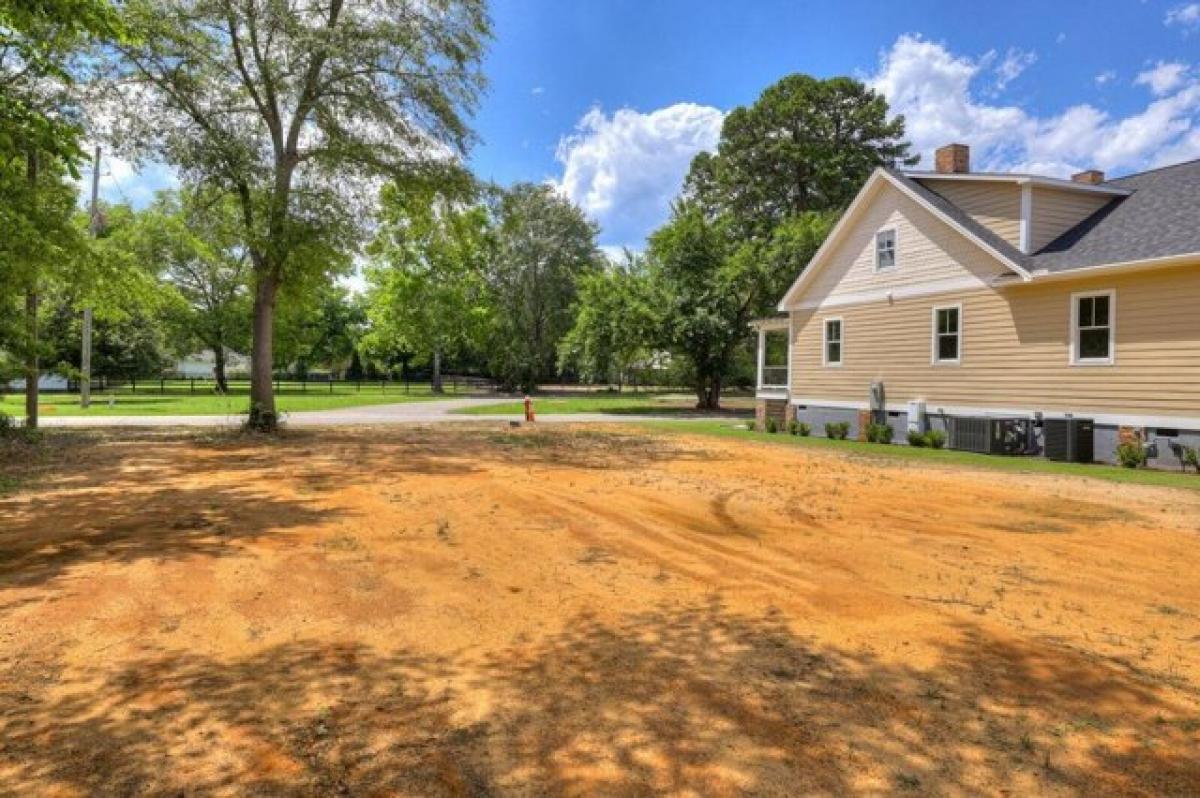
(200, 365)
(966, 294)
(47, 382)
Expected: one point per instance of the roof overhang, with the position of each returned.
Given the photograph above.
(1020, 180)
(770, 323)
(1145, 264)
(879, 178)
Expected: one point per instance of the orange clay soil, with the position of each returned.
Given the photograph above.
(474, 611)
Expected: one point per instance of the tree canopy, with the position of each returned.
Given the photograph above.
(427, 273)
(616, 319)
(804, 145)
(545, 246)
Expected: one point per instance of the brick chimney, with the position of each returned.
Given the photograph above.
(1093, 177)
(953, 159)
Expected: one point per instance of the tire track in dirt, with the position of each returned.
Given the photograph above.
(724, 565)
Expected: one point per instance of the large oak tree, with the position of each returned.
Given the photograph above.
(299, 109)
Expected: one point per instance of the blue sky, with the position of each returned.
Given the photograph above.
(610, 99)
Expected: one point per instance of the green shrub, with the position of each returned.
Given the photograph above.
(879, 433)
(793, 427)
(750, 426)
(1131, 454)
(936, 438)
(839, 431)
(804, 429)
(771, 426)
(1189, 456)
(918, 439)
(7, 423)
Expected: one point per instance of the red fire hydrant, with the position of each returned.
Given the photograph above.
(529, 409)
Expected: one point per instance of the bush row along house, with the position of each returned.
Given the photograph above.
(950, 294)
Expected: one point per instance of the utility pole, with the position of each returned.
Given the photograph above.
(85, 356)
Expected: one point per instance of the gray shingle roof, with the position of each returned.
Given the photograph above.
(1159, 219)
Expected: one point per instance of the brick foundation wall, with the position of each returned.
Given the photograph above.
(771, 408)
(864, 421)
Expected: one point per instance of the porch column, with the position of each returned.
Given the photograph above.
(762, 356)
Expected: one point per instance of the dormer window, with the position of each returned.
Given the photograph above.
(885, 250)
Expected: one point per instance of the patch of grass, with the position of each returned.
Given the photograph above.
(947, 457)
(179, 401)
(632, 404)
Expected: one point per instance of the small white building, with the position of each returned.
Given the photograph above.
(47, 382)
(201, 364)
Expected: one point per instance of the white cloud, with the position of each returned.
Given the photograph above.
(536, 90)
(1106, 77)
(123, 181)
(1015, 62)
(1060, 38)
(1185, 16)
(1163, 77)
(934, 88)
(617, 253)
(623, 170)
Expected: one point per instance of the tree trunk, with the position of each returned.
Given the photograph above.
(31, 360)
(219, 369)
(436, 378)
(262, 390)
(708, 393)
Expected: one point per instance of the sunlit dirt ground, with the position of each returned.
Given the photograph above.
(476, 611)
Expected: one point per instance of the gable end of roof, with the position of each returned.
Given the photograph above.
(939, 206)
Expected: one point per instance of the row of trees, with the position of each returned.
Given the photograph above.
(313, 136)
(516, 275)
(480, 274)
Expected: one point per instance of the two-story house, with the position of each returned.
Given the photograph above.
(959, 293)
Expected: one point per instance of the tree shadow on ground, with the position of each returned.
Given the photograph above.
(695, 700)
(163, 523)
(124, 496)
(119, 499)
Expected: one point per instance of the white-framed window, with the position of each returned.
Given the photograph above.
(947, 335)
(1093, 328)
(885, 249)
(832, 343)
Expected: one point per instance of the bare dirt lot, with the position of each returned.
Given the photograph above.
(484, 611)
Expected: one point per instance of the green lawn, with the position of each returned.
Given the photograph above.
(179, 401)
(946, 457)
(609, 402)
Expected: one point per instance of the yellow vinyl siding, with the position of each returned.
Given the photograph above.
(928, 251)
(1055, 211)
(1015, 348)
(995, 205)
